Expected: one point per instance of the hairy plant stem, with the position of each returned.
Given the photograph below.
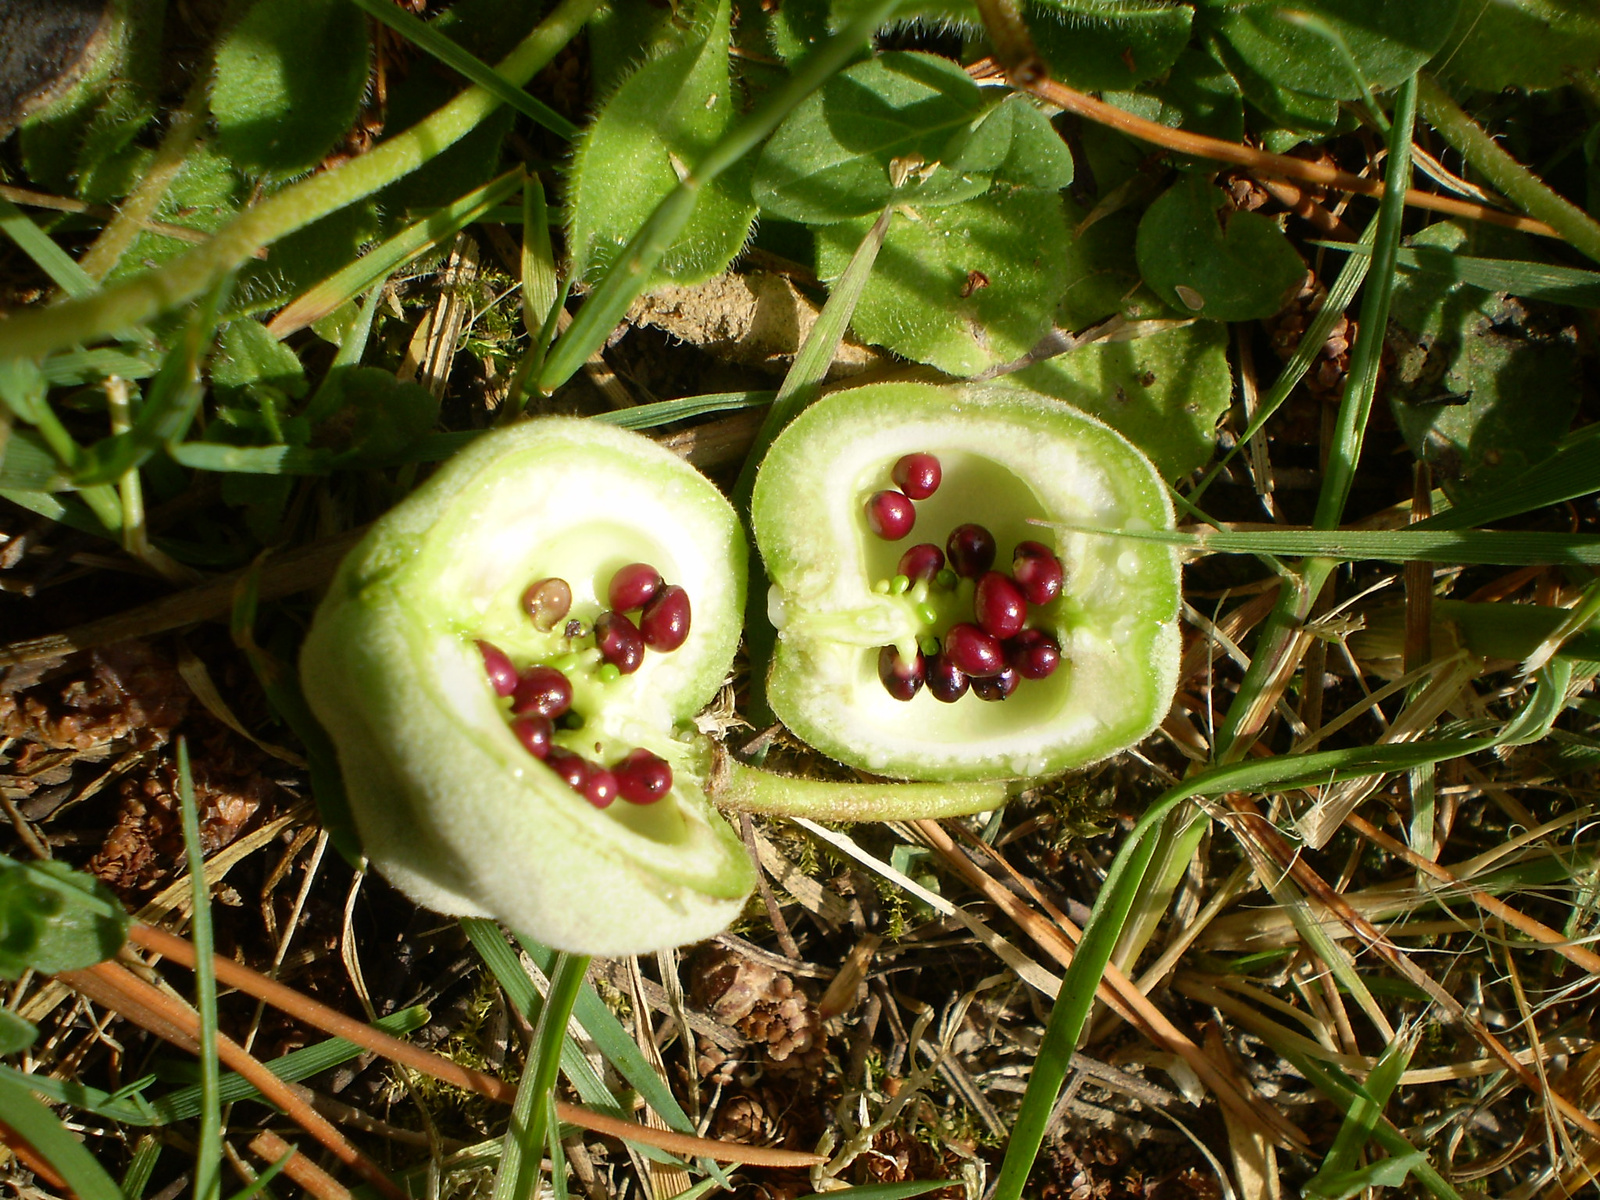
(118, 309)
(749, 789)
(1519, 184)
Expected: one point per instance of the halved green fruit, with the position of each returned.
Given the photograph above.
(450, 807)
(1010, 459)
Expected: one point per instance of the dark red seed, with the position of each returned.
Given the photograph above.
(600, 788)
(922, 561)
(901, 679)
(996, 687)
(1037, 572)
(946, 681)
(573, 768)
(665, 620)
(643, 777)
(891, 515)
(917, 475)
(547, 601)
(633, 586)
(619, 641)
(502, 675)
(542, 690)
(970, 549)
(1034, 653)
(998, 605)
(974, 652)
(534, 733)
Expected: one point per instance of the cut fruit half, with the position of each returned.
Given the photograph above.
(1019, 468)
(466, 794)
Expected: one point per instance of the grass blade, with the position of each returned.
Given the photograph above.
(523, 1148)
(425, 37)
(37, 1126)
(208, 1155)
(1481, 546)
(410, 243)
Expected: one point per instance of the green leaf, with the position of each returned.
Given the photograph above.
(1479, 388)
(1204, 259)
(1388, 1172)
(15, 1033)
(1389, 41)
(289, 79)
(205, 196)
(1038, 157)
(664, 117)
(923, 299)
(53, 918)
(831, 159)
(1165, 393)
(1198, 94)
(1096, 45)
(1497, 44)
(378, 416)
(248, 354)
(1513, 276)
(1297, 112)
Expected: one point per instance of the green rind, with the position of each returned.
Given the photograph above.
(1117, 622)
(450, 808)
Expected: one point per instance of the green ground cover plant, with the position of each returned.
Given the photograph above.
(1301, 296)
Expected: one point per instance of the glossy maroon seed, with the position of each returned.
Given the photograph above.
(917, 475)
(543, 691)
(946, 681)
(996, 687)
(619, 641)
(547, 601)
(633, 586)
(502, 675)
(573, 768)
(901, 679)
(999, 606)
(891, 515)
(1037, 572)
(974, 652)
(970, 549)
(1034, 653)
(600, 788)
(922, 561)
(643, 777)
(664, 623)
(534, 733)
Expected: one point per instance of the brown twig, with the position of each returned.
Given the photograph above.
(114, 987)
(287, 1000)
(1259, 161)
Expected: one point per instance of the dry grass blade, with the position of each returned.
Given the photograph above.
(116, 988)
(1116, 990)
(287, 1000)
(1374, 938)
(1587, 959)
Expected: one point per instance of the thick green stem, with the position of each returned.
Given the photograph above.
(1522, 186)
(118, 309)
(749, 789)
